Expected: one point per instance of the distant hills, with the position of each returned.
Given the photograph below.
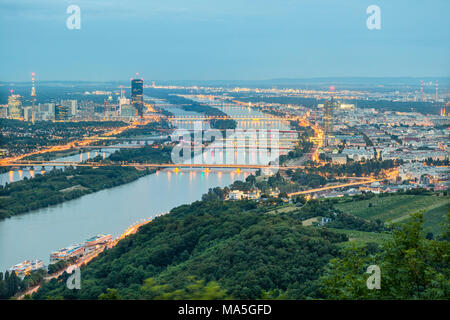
(296, 82)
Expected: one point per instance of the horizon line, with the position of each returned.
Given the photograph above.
(243, 80)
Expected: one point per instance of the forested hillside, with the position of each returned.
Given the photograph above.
(215, 249)
(210, 249)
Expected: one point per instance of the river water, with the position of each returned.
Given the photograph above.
(16, 175)
(34, 235)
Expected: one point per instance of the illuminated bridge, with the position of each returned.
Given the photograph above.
(221, 144)
(207, 167)
(236, 130)
(237, 118)
(344, 185)
(143, 165)
(109, 147)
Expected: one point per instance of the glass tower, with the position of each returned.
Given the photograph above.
(137, 96)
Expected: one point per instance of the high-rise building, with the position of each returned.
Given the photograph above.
(137, 95)
(72, 105)
(33, 100)
(45, 111)
(328, 117)
(3, 111)
(14, 106)
(110, 109)
(127, 112)
(99, 109)
(28, 114)
(61, 113)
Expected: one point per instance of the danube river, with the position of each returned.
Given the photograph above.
(17, 175)
(34, 235)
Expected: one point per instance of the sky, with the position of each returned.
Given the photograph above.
(222, 40)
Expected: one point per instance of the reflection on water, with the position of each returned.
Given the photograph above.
(19, 174)
(34, 235)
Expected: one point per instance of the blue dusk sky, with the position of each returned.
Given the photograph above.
(223, 40)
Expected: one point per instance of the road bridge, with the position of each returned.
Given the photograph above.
(237, 118)
(144, 165)
(344, 185)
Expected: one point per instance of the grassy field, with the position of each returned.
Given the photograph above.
(361, 237)
(398, 208)
(435, 217)
(285, 209)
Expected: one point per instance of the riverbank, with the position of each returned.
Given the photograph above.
(59, 186)
(84, 260)
(21, 138)
(52, 155)
(193, 106)
(33, 235)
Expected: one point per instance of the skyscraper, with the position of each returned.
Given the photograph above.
(14, 106)
(328, 116)
(328, 119)
(72, 105)
(61, 113)
(137, 96)
(33, 99)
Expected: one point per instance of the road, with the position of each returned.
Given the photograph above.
(349, 184)
(86, 258)
(148, 165)
(70, 145)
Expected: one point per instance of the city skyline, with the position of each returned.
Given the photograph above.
(242, 150)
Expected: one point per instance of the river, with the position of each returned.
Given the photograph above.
(34, 235)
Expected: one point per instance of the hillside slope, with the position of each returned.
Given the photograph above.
(247, 252)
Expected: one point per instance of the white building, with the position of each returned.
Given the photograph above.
(235, 195)
(358, 154)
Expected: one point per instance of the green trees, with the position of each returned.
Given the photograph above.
(110, 294)
(223, 124)
(190, 105)
(145, 129)
(345, 276)
(55, 267)
(214, 194)
(209, 250)
(308, 179)
(411, 268)
(150, 153)
(9, 285)
(58, 186)
(349, 221)
(354, 168)
(192, 290)
(55, 187)
(213, 249)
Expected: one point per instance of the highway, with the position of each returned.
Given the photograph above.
(349, 184)
(70, 145)
(86, 258)
(145, 165)
(237, 118)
